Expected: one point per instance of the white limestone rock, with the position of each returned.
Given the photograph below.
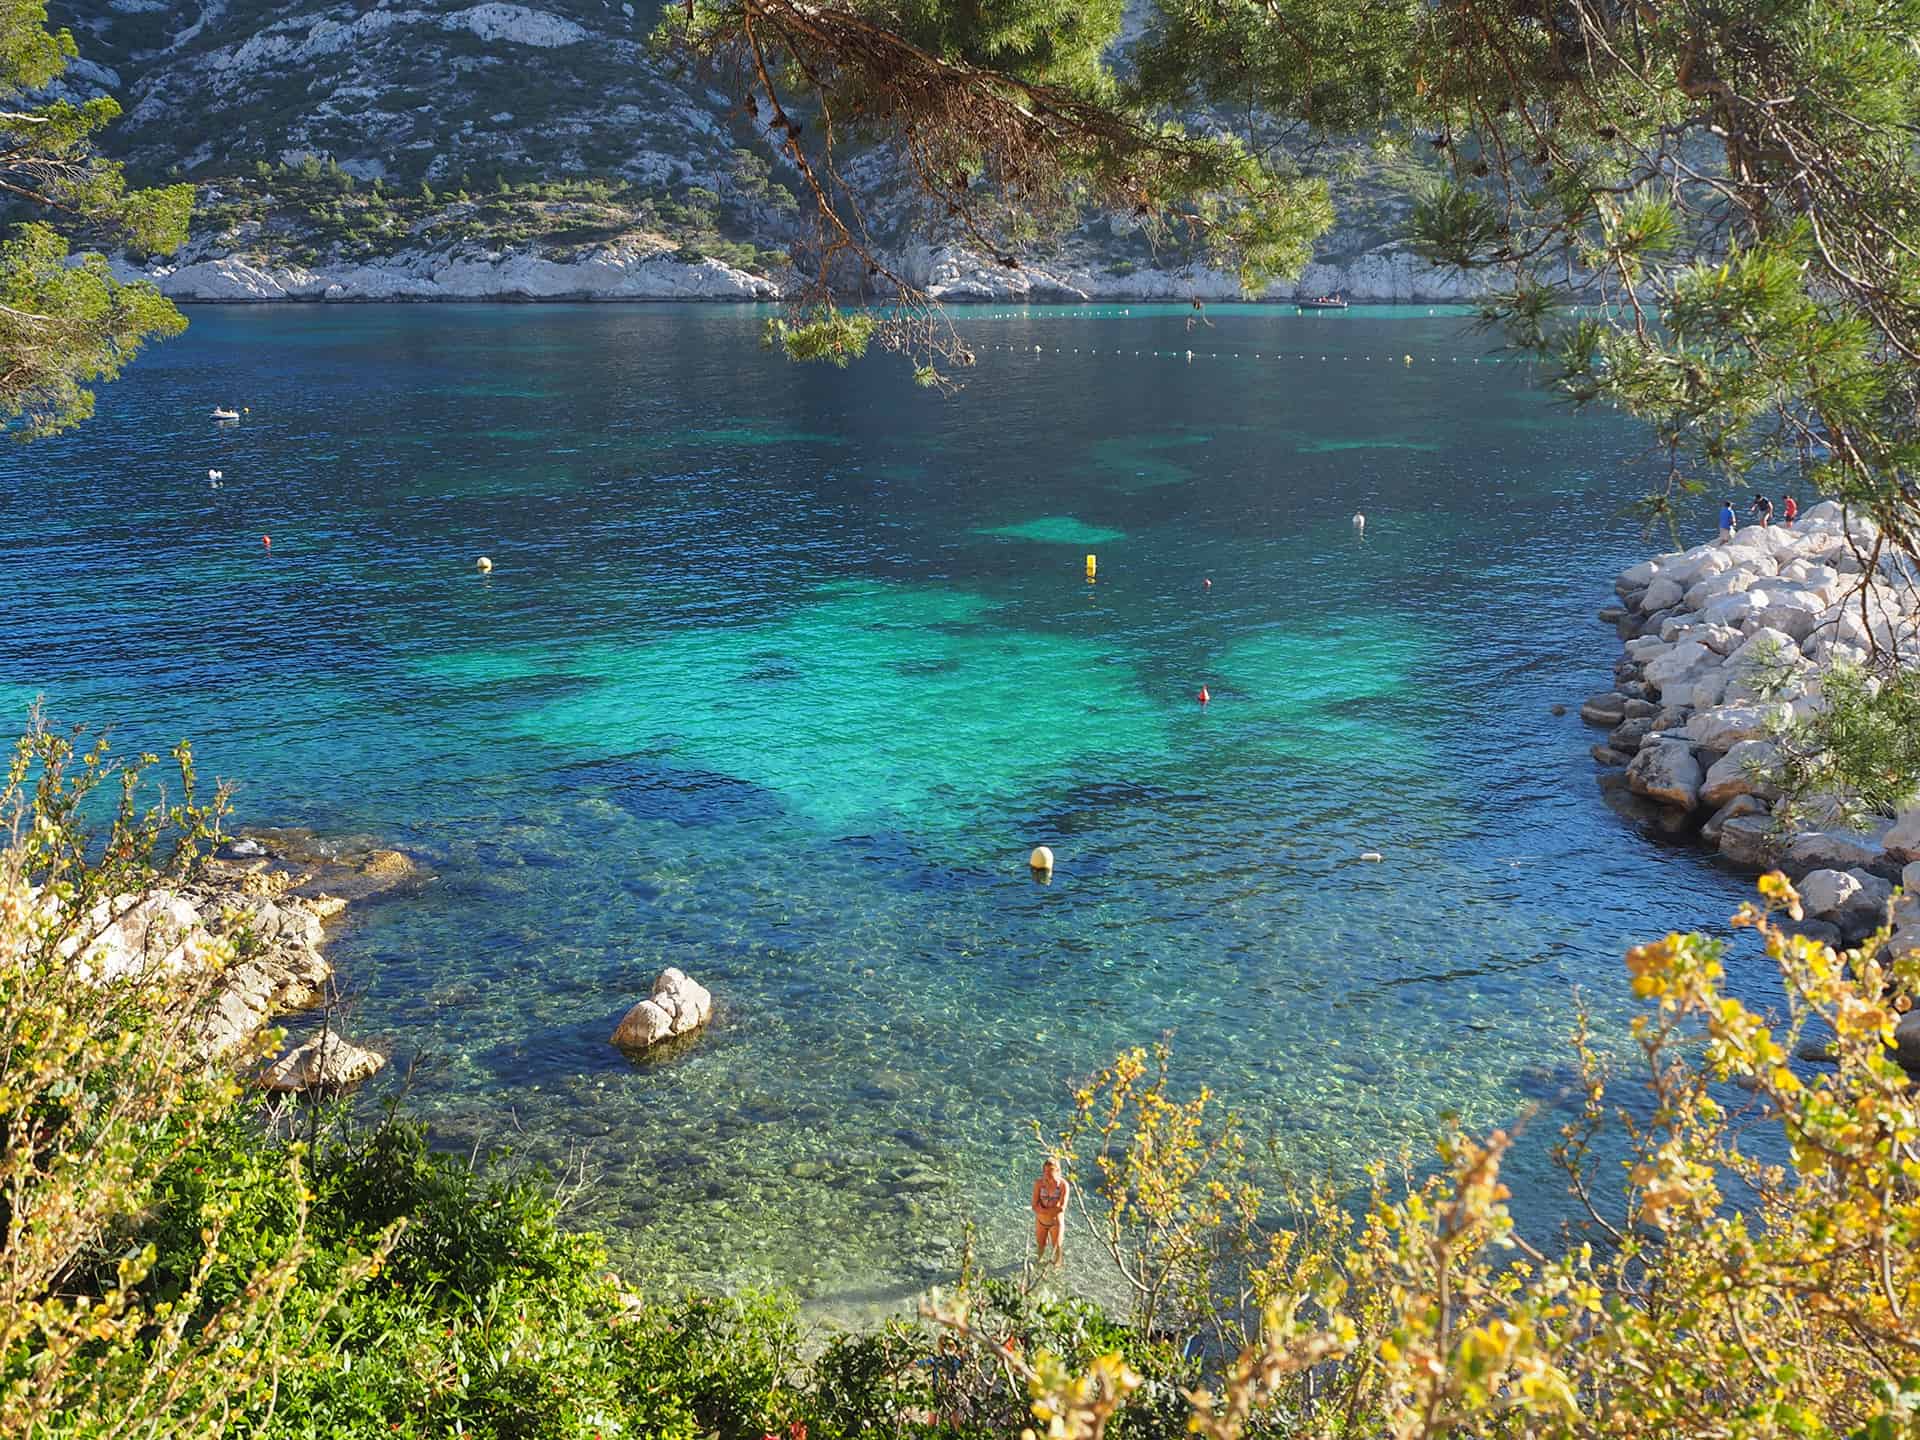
(1635, 577)
(677, 1006)
(1741, 771)
(1715, 587)
(1825, 893)
(157, 934)
(631, 269)
(1666, 770)
(1710, 689)
(326, 1062)
(1725, 726)
(1679, 664)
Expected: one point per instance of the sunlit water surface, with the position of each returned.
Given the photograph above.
(781, 672)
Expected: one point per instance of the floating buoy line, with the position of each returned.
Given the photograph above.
(1405, 362)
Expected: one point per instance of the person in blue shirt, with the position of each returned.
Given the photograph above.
(1726, 521)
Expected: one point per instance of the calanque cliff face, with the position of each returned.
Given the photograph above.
(472, 100)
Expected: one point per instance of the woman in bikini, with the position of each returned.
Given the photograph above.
(1050, 1194)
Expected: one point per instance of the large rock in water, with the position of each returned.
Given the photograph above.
(676, 1007)
(1750, 840)
(325, 1062)
(1666, 770)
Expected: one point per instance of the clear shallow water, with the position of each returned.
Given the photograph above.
(782, 671)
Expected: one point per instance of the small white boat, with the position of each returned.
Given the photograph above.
(220, 414)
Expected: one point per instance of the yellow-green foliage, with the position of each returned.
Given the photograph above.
(1717, 1295)
(103, 1087)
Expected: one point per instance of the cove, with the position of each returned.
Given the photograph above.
(782, 671)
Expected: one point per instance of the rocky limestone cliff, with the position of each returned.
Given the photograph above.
(461, 96)
(619, 272)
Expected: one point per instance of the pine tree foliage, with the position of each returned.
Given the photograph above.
(65, 322)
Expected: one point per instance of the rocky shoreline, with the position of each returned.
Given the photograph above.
(641, 271)
(1725, 646)
(269, 894)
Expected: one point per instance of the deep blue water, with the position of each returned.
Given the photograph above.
(782, 671)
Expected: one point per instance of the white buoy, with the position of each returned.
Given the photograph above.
(215, 475)
(483, 565)
(1373, 857)
(1359, 521)
(1041, 860)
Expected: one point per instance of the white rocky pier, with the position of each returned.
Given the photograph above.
(677, 1006)
(1725, 647)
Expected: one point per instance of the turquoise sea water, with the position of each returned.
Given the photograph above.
(781, 672)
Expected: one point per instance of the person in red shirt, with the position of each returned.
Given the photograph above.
(1788, 509)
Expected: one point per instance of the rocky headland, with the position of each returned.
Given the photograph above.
(1726, 645)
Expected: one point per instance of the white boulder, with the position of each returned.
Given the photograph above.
(1725, 726)
(1666, 770)
(1741, 771)
(1662, 594)
(1679, 663)
(677, 1006)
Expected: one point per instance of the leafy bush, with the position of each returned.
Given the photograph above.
(104, 1087)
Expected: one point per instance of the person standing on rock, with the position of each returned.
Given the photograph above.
(1050, 1195)
(1789, 510)
(1726, 522)
(1763, 507)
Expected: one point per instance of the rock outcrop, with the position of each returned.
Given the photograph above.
(677, 1006)
(325, 1063)
(629, 270)
(1725, 645)
(269, 895)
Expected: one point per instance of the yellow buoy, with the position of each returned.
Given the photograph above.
(1041, 859)
(483, 565)
(1090, 567)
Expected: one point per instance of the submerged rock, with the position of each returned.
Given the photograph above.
(677, 1006)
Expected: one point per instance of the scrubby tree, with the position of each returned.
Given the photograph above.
(65, 322)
